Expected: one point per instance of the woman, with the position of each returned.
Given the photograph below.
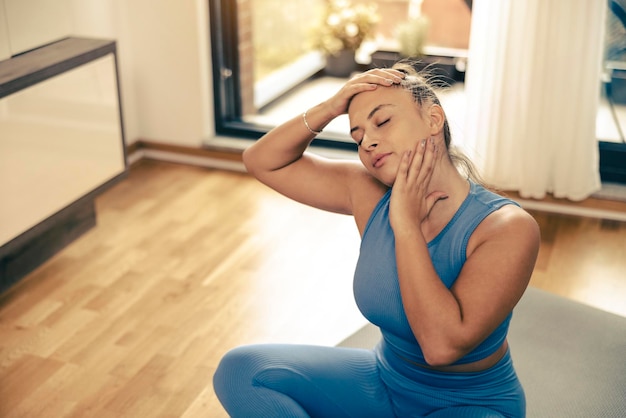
(443, 262)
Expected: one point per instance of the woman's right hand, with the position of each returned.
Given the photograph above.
(369, 80)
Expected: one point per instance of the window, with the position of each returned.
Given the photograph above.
(260, 52)
(262, 60)
(614, 93)
(611, 120)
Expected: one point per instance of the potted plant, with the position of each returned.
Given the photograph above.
(343, 28)
(411, 37)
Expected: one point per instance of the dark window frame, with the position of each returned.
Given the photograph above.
(226, 79)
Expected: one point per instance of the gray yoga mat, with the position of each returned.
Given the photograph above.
(570, 357)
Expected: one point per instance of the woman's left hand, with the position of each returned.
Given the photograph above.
(411, 202)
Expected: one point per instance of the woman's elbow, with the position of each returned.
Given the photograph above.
(442, 355)
(439, 360)
(247, 157)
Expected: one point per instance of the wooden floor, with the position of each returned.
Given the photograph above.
(131, 319)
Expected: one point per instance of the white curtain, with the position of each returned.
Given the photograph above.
(533, 85)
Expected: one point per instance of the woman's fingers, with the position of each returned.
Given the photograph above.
(403, 170)
(413, 178)
(369, 80)
(433, 198)
(417, 161)
(411, 166)
(384, 77)
(423, 163)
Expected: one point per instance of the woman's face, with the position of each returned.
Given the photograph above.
(386, 122)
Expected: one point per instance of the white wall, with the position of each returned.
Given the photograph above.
(170, 57)
(5, 48)
(32, 23)
(163, 52)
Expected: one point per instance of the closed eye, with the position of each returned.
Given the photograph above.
(383, 122)
(357, 135)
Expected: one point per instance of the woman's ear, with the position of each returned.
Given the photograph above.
(437, 118)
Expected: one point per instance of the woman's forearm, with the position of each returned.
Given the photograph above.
(432, 311)
(286, 143)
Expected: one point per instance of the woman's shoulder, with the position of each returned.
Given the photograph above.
(510, 216)
(510, 225)
(505, 212)
(489, 196)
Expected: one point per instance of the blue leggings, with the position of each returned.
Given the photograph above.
(312, 381)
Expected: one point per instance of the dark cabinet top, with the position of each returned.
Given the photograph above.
(39, 64)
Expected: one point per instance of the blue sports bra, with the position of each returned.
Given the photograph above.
(376, 288)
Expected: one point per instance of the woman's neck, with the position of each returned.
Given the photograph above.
(445, 178)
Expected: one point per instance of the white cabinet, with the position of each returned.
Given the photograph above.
(61, 143)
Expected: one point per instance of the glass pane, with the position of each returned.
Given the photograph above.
(278, 59)
(280, 33)
(611, 120)
(274, 51)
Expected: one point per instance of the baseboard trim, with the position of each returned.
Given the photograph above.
(592, 207)
(218, 158)
(567, 209)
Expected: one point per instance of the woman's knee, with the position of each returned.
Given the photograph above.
(246, 383)
(248, 366)
(235, 369)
